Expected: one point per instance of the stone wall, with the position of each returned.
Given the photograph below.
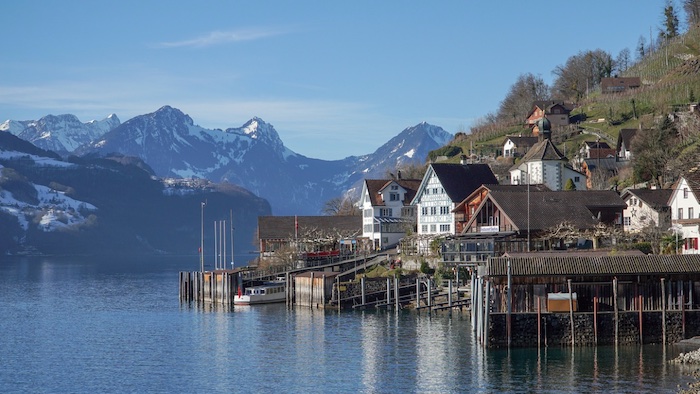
(556, 328)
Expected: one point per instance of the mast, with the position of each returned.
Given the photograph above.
(231, 231)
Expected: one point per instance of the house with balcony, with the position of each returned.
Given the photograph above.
(519, 219)
(443, 186)
(685, 210)
(387, 213)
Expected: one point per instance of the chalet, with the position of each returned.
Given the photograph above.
(517, 146)
(619, 85)
(685, 210)
(445, 185)
(556, 111)
(527, 216)
(596, 150)
(646, 207)
(624, 143)
(545, 164)
(387, 213)
(304, 236)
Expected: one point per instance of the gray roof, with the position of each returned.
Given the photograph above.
(283, 227)
(655, 198)
(551, 208)
(460, 180)
(594, 265)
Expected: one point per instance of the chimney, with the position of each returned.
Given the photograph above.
(398, 174)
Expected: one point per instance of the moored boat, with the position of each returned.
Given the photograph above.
(267, 293)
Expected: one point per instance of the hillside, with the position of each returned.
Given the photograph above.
(109, 206)
(670, 83)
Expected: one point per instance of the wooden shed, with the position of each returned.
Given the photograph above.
(313, 288)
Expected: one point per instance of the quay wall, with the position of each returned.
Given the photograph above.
(555, 328)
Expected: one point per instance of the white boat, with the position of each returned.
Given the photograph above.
(267, 293)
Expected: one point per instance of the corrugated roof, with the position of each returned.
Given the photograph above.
(594, 265)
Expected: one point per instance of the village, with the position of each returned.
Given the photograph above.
(535, 256)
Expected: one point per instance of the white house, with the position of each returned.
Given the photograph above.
(445, 185)
(685, 211)
(517, 146)
(545, 165)
(387, 213)
(646, 207)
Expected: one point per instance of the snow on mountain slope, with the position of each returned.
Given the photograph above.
(254, 157)
(62, 134)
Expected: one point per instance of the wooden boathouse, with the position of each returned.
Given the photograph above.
(564, 299)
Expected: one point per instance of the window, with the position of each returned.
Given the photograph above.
(680, 213)
(444, 210)
(577, 179)
(394, 196)
(424, 228)
(435, 190)
(424, 210)
(685, 192)
(385, 212)
(690, 213)
(432, 228)
(628, 221)
(433, 210)
(368, 213)
(444, 228)
(394, 187)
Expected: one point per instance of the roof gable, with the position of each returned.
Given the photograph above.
(460, 180)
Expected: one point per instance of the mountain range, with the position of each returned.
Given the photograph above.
(252, 156)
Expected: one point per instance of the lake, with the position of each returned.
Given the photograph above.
(87, 324)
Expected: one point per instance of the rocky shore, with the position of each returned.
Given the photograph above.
(690, 359)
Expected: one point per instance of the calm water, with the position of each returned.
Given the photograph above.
(96, 325)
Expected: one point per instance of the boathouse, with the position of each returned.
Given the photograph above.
(564, 299)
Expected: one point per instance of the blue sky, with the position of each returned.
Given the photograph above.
(334, 78)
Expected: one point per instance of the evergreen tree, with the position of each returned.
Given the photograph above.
(670, 21)
(570, 185)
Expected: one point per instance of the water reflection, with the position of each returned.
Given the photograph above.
(78, 326)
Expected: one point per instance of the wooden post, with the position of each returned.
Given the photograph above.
(571, 314)
(417, 293)
(396, 293)
(640, 304)
(337, 289)
(486, 313)
(683, 307)
(362, 285)
(430, 295)
(311, 291)
(663, 309)
(323, 290)
(449, 297)
(595, 316)
(508, 305)
(539, 322)
(388, 292)
(617, 317)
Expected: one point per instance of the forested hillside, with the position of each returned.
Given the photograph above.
(661, 108)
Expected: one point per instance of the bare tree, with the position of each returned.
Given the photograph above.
(692, 12)
(582, 72)
(518, 102)
(340, 206)
(622, 62)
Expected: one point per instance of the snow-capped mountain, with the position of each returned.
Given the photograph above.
(254, 157)
(61, 134)
(107, 205)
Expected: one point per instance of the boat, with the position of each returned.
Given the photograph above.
(267, 293)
